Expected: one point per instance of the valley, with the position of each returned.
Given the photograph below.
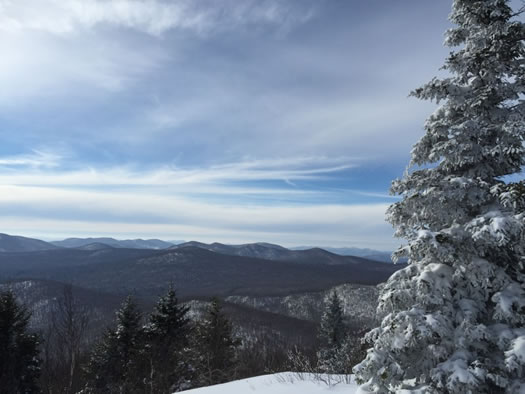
(194, 269)
(273, 296)
(268, 290)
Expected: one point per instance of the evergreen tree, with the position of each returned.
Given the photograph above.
(117, 363)
(455, 316)
(333, 328)
(19, 362)
(334, 354)
(217, 360)
(168, 338)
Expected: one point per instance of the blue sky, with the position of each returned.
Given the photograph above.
(233, 121)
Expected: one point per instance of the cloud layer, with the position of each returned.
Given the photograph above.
(153, 17)
(187, 203)
(231, 120)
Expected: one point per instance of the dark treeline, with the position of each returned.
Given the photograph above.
(340, 344)
(162, 352)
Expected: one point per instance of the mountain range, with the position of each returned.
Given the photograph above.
(269, 291)
(274, 252)
(196, 269)
(192, 270)
(370, 254)
(15, 243)
(126, 243)
(11, 243)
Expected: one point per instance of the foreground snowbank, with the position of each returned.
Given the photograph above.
(282, 383)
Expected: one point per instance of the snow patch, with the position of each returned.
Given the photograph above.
(283, 383)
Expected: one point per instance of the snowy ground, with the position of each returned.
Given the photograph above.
(282, 383)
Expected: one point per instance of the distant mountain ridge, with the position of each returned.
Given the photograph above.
(263, 250)
(15, 243)
(194, 271)
(197, 272)
(370, 254)
(267, 251)
(115, 243)
(95, 246)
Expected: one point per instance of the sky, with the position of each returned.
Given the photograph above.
(233, 121)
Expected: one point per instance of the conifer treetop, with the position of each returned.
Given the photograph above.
(455, 316)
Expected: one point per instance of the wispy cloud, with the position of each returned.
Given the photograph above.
(376, 195)
(300, 168)
(37, 159)
(153, 17)
(186, 203)
(291, 113)
(175, 217)
(61, 47)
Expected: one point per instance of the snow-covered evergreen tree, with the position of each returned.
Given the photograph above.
(167, 334)
(333, 328)
(117, 362)
(216, 347)
(455, 316)
(333, 356)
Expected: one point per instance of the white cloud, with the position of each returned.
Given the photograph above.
(355, 125)
(55, 229)
(206, 81)
(53, 49)
(45, 70)
(182, 203)
(37, 159)
(376, 195)
(287, 169)
(98, 212)
(153, 17)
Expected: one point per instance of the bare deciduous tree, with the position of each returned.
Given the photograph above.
(65, 342)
